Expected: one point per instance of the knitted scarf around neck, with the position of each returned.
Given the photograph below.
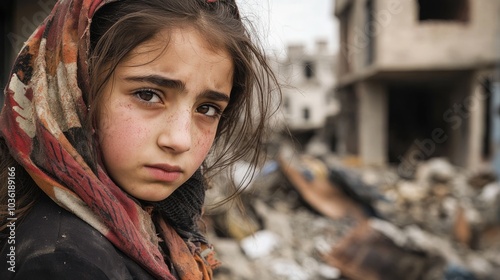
(42, 121)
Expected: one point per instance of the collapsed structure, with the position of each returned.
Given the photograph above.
(415, 80)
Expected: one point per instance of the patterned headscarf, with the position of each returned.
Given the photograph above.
(43, 122)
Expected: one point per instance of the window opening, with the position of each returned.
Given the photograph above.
(309, 69)
(453, 10)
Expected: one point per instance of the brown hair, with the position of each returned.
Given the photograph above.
(118, 27)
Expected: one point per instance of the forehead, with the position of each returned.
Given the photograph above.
(180, 37)
(184, 55)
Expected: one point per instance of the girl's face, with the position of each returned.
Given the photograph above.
(160, 112)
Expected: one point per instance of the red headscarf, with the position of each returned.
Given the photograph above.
(42, 122)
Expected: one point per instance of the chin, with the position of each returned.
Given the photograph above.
(153, 196)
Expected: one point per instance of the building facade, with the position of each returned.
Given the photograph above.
(308, 81)
(415, 79)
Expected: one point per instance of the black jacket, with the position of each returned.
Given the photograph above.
(52, 243)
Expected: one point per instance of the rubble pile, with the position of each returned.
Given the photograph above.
(319, 218)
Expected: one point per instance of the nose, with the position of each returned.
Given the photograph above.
(175, 134)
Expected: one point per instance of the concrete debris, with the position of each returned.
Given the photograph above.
(329, 272)
(288, 269)
(366, 253)
(411, 191)
(436, 170)
(317, 217)
(454, 272)
(259, 244)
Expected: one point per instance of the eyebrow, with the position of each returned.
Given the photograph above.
(158, 80)
(176, 84)
(215, 96)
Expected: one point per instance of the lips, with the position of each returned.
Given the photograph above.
(164, 172)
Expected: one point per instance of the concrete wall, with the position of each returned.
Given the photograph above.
(354, 43)
(373, 123)
(404, 42)
(311, 96)
(439, 56)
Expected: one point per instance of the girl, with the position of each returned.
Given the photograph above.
(112, 112)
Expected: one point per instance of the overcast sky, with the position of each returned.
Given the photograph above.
(283, 22)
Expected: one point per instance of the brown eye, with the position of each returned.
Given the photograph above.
(148, 96)
(209, 110)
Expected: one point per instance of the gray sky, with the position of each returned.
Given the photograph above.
(281, 22)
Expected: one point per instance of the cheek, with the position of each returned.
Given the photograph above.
(119, 136)
(111, 137)
(204, 142)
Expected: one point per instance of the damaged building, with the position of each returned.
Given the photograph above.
(309, 80)
(415, 80)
